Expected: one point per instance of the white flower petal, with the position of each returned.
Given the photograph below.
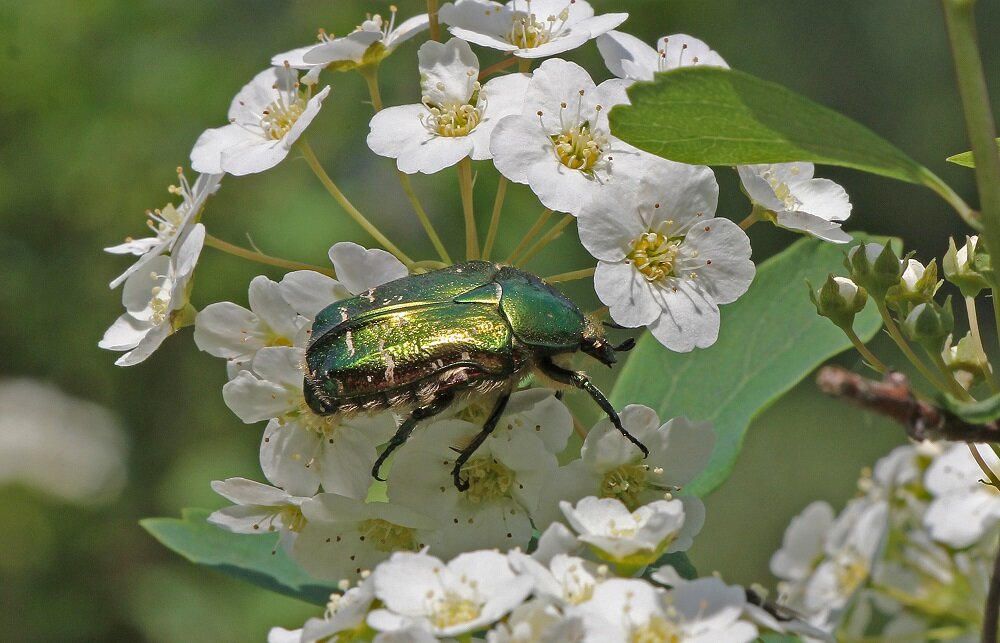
(723, 261)
(360, 269)
(690, 317)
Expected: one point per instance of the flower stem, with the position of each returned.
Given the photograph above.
(465, 184)
(524, 65)
(495, 67)
(750, 219)
(571, 276)
(370, 74)
(352, 211)
(977, 340)
(546, 239)
(432, 14)
(530, 234)
(259, 257)
(491, 235)
(987, 471)
(904, 346)
(956, 389)
(960, 22)
(866, 353)
(600, 313)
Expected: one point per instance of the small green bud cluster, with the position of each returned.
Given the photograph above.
(840, 299)
(968, 267)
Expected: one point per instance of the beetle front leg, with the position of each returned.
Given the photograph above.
(488, 426)
(432, 408)
(580, 381)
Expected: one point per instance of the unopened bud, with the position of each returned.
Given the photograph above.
(917, 285)
(874, 267)
(840, 299)
(965, 361)
(967, 266)
(930, 324)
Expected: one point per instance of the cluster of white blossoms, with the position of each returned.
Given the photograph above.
(910, 556)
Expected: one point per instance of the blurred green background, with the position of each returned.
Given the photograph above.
(102, 99)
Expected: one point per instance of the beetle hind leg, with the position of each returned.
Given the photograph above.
(580, 381)
(488, 426)
(432, 408)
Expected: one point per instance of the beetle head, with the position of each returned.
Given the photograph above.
(593, 342)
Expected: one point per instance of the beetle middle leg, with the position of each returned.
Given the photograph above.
(580, 381)
(432, 408)
(488, 426)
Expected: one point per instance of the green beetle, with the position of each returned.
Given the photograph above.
(416, 343)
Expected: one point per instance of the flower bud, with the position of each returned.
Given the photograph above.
(876, 268)
(840, 299)
(917, 285)
(965, 361)
(930, 324)
(965, 267)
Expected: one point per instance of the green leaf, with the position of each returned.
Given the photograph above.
(978, 412)
(965, 158)
(770, 339)
(713, 116)
(250, 557)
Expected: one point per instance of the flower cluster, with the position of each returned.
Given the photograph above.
(551, 595)
(911, 554)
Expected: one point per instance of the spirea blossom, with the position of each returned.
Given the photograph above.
(527, 28)
(664, 260)
(455, 117)
(789, 196)
(370, 42)
(266, 117)
(628, 57)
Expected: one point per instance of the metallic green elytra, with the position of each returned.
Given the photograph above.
(416, 343)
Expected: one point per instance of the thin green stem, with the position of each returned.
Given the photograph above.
(465, 184)
(432, 14)
(529, 235)
(750, 219)
(904, 346)
(260, 257)
(524, 65)
(954, 387)
(495, 67)
(571, 276)
(352, 211)
(370, 73)
(491, 235)
(979, 124)
(599, 313)
(987, 471)
(977, 340)
(553, 232)
(866, 353)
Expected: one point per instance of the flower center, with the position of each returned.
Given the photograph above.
(292, 518)
(387, 536)
(656, 630)
(851, 571)
(324, 425)
(454, 610)
(781, 189)
(655, 255)
(279, 117)
(579, 147)
(457, 117)
(488, 480)
(625, 483)
(528, 32)
(159, 303)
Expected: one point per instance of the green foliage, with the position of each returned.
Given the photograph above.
(965, 158)
(713, 116)
(979, 412)
(253, 558)
(770, 339)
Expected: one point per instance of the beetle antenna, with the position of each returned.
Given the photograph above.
(627, 345)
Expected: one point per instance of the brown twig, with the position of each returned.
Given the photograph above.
(893, 398)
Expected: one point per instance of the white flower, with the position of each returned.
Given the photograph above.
(803, 543)
(506, 474)
(560, 145)
(265, 118)
(371, 41)
(302, 450)
(168, 224)
(537, 621)
(156, 301)
(456, 115)
(230, 331)
(259, 509)
(527, 28)
(963, 508)
(611, 466)
(346, 536)
(702, 611)
(566, 580)
(791, 198)
(471, 592)
(628, 57)
(630, 539)
(361, 269)
(664, 261)
(66, 447)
